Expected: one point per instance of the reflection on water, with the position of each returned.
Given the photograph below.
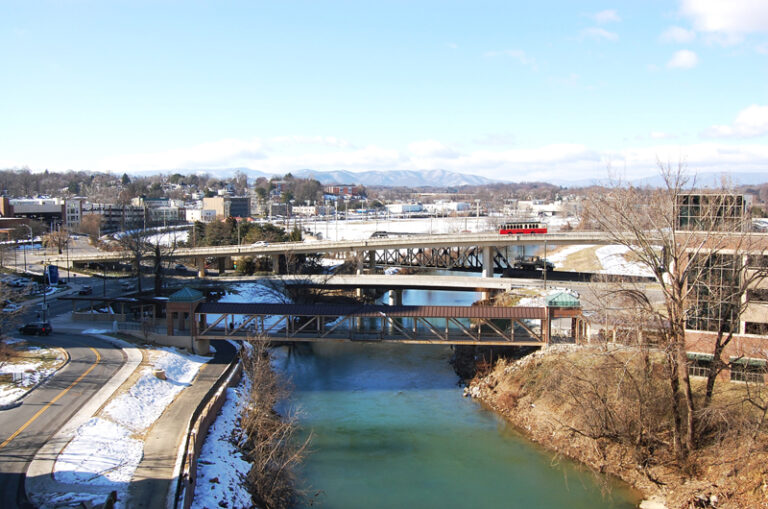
(391, 429)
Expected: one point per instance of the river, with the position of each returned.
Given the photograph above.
(391, 429)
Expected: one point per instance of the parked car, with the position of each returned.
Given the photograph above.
(11, 307)
(36, 328)
(180, 266)
(86, 290)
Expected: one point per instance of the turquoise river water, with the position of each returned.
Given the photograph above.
(391, 429)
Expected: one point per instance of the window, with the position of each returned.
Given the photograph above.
(744, 369)
(714, 283)
(756, 328)
(699, 364)
(757, 261)
(757, 295)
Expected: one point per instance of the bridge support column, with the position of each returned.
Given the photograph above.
(221, 262)
(487, 262)
(395, 297)
(371, 260)
(275, 264)
(360, 262)
(202, 346)
(200, 264)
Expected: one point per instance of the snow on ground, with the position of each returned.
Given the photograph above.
(101, 453)
(105, 450)
(613, 262)
(146, 400)
(222, 468)
(559, 257)
(169, 238)
(24, 374)
(356, 230)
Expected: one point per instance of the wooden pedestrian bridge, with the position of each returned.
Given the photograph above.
(451, 325)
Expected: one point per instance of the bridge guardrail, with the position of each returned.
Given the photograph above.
(425, 241)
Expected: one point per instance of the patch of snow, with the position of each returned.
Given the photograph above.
(25, 374)
(96, 331)
(613, 262)
(559, 257)
(100, 454)
(145, 401)
(104, 451)
(221, 468)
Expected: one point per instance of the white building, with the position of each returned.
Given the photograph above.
(203, 215)
(447, 207)
(404, 208)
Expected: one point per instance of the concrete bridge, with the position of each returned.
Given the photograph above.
(486, 252)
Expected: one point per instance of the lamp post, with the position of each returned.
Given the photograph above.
(25, 249)
(45, 290)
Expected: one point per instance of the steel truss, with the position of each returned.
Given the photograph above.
(466, 258)
(447, 330)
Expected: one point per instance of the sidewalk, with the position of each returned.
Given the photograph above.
(155, 476)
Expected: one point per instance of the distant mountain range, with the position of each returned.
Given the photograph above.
(444, 178)
(393, 178)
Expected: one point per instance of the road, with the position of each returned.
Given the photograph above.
(27, 427)
(24, 429)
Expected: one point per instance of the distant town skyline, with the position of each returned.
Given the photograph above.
(505, 90)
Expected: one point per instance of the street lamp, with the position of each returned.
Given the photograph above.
(22, 245)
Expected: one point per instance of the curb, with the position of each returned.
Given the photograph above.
(39, 483)
(18, 401)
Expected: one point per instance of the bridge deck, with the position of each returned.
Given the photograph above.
(471, 325)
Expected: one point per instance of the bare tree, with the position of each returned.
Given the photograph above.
(270, 440)
(693, 250)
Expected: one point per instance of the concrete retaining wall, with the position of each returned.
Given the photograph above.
(201, 420)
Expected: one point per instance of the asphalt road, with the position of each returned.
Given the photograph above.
(24, 429)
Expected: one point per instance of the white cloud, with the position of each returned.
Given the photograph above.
(555, 161)
(599, 34)
(752, 121)
(677, 34)
(516, 54)
(606, 16)
(727, 16)
(432, 149)
(660, 135)
(683, 59)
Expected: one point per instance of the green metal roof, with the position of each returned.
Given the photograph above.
(563, 300)
(186, 295)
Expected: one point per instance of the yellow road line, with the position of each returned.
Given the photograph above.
(54, 400)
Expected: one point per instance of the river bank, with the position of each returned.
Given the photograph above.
(726, 474)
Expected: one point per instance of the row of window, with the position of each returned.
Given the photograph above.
(742, 369)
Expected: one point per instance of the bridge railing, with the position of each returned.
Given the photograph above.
(424, 241)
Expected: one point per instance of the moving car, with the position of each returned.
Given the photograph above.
(36, 328)
(86, 290)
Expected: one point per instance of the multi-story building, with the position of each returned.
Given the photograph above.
(46, 210)
(229, 206)
(202, 215)
(728, 285)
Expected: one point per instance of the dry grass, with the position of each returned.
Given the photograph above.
(584, 260)
(270, 442)
(607, 409)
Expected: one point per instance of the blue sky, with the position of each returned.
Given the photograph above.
(508, 90)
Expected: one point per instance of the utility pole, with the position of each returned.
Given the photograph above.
(24, 248)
